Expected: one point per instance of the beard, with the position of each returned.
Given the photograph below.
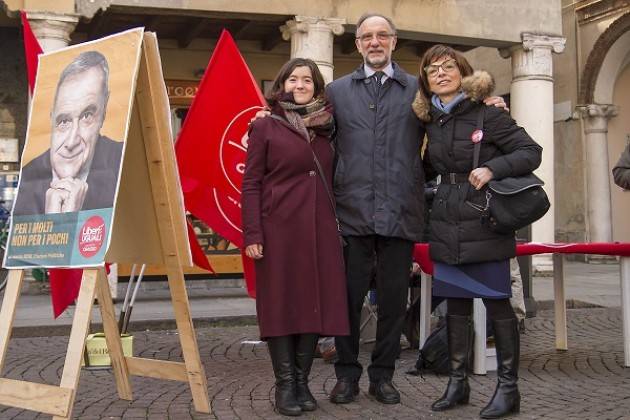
(377, 62)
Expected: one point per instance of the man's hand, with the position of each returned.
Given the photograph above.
(254, 251)
(480, 177)
(65, 195)
(496, 101)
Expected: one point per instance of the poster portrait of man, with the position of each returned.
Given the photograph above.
(71, 165)
(80, 169)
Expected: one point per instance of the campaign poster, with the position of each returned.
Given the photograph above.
(71, 164)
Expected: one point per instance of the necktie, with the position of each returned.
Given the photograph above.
(377, 81)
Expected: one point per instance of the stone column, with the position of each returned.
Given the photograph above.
(531, 97)
(598, 198)
(52, 29)
(312, 37)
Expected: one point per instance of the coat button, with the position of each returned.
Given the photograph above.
(372, 106)
(311, 173)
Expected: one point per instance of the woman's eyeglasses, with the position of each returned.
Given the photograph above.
(447, 66)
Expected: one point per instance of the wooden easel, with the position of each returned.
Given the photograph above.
(149, 226)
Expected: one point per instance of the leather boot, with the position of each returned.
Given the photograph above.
(282, 352)
(304, 352)
(459, 331)
(506, 398)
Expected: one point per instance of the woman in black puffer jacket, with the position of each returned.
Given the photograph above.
(471, 260)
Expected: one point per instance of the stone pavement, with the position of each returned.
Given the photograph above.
(586, 382)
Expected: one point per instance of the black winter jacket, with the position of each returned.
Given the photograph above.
(379, 181)
(457, 235)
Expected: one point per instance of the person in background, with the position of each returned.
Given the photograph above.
(621, 171)
(471, 261)
(290, 230)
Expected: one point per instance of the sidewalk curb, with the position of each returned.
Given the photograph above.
(143, 325)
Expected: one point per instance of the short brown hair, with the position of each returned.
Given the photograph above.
(434, 53)
(277, 89)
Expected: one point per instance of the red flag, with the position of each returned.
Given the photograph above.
(31, 50)
(212, 146)
(198, 256)
(64, 287)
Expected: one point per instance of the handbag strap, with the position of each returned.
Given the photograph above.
(320, 171)
(480, 117)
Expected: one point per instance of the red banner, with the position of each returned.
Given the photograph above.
(421, 251)
(212, 146)
(31, 50)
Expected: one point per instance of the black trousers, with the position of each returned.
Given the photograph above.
(392, 259)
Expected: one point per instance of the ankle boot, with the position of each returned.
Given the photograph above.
(304, 352)
(506, 398)
(459, 331)
(282, 352)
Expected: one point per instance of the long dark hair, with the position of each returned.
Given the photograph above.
(277, 89)
(434, 53)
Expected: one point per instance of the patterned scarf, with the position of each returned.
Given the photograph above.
(311, 119)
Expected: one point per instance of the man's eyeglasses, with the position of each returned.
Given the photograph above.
(447, 66)
(380, 36)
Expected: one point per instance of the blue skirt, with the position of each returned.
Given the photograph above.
(490, 280)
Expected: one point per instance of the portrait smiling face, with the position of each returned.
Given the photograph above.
(77, 117)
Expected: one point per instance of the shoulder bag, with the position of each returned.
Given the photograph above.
(513, 202)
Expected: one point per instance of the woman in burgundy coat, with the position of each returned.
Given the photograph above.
(290, 230)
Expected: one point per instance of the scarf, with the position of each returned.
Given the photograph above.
(311, 119)
(447, 108)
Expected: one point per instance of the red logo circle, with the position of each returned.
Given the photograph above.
(91, 236)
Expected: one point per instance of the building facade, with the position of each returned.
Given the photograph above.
(563, 64)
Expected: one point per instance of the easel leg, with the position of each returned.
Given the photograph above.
(78, 334)
(112, 337)
(559, 302)
(188, 339)
(7, 313)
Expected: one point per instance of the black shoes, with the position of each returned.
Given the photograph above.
(384, 392)
(282, 352)
(459, 331)
(506, 399)
(345, 391)
(304, 352)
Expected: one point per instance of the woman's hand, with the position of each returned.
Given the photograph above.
(254, 251)
(265, 112)
(480, 177)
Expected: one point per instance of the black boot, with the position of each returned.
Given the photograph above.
(459, 330)
(506, 398)
(304, 351)
(282, 352)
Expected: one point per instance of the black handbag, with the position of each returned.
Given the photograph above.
(513, 202)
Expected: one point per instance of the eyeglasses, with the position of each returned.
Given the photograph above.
(447, 66)
(380, 36)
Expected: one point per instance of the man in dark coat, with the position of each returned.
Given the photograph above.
(379, 185)
(80, 170)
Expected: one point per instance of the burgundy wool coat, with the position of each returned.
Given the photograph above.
(300, 281)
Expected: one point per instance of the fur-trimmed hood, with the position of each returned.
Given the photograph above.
(477, 86)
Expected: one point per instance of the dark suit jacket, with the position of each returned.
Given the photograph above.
(101, 180)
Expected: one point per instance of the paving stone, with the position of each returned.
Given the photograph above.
(586, 382)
